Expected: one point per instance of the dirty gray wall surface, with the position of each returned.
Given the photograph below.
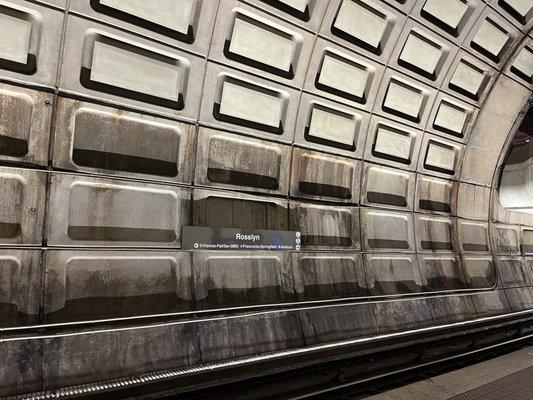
(376, 128)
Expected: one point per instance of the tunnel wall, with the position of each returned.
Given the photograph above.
(380, 141)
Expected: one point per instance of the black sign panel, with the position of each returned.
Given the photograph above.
(204, 238)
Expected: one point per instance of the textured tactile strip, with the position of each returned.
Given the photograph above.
(516, 386)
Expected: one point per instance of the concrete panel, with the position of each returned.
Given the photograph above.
(434, 234)
(238, 162)
(521, 65)
(511, 271)
(327, 126)
(307, 13)
(22, 206)
(404, 99)
(249, 39)
(506, 239)
(435, 195)
(105, 63)
(248, 104)
(479, 271)
(519, 11)
(470, 195)
(240, 211)
(319, 276)
(491, 303)
(186, 25)
(29, 49)
(344, 76)
(387, 187)
(20, 274)
(399, 315)
(440, 157)
(492, 37)
(452, 19)
(392, 274)
(324, 177)
(469, 78)
(367, 26)
(111, 141)
(473, 236)
(387, 230)
(452, 118)
(103, 212)
(86, 285)
(393, 144)
(24, 125)
(232, 279)
(422, 54)
(441, 272)
(326, 227)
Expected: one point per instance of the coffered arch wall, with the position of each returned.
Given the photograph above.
(375, 128)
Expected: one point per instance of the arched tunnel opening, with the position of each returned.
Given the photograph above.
(515, 191)
(261, 199)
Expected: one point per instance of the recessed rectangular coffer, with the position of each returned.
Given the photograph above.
(449, 16)
(327, 126)
(22, 205)
(434, 234)
(27, 52)
(512, 271)
(319, 276)
(129, 70)
(174, 19)
(434, 195)
(107, 63)
(242, 102)
(25, 124)
(305, 13)
(392, 143)
(387, 230)
(239, 211)
(184, 24)
(371, 30)
(469, 77)
(383, 186)
(94, 138)
(479, 272)
(20, 43)
(451, 117)
(240, 162)
(86, 285)
(527, 241)
(405, 100)
(441, 272)
(341, 75)
(247, 104)
(248, 38)
(234, 279)
(104, 212)
(473, 236)
(392, 274)
(491, 303)
(20, 274)
(505, 238)
(344, 77)
(326, 227)
(440, 157)
(322, 176)
(422, 52)
(522, 66)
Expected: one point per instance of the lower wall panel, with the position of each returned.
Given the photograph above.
(86, 285)
(20, 278)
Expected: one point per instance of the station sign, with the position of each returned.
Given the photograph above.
(206, 238)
